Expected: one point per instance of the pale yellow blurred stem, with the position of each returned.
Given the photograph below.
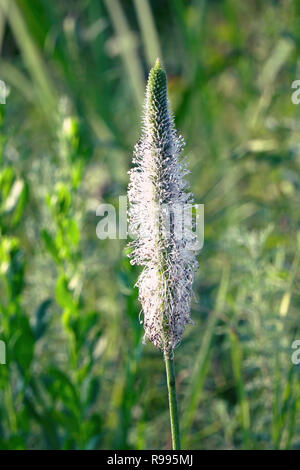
(148, 30)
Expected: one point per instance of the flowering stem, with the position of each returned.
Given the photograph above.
(172, 401)
(157, 195)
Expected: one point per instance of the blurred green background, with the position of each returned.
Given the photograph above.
(77, 375)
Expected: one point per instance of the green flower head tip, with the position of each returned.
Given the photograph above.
(157, 63)
(157, 81)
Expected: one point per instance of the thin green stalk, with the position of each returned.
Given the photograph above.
(171, 381)
(148, 30)
(128, 48)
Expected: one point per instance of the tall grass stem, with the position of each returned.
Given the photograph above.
(174, 420)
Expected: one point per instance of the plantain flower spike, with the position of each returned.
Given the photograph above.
(157, 195)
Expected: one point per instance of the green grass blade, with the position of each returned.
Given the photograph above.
(149, 32)
(202, 360)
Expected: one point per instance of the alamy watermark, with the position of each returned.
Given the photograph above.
(3, 92)
(181, 222)
(2, 352)
(296, 354)
(296, 94)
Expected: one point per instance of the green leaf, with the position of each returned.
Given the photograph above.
(21, 343)
(63, 294)
(73, 232)
(92, 389)
(16, 201)
(50, 245)
(41, 323)
(6, 181)
(60, 387)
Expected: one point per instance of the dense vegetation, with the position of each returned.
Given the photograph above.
(77, 375)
